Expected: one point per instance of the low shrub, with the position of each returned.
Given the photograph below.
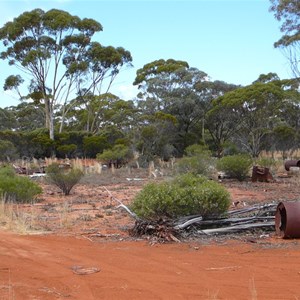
(197, 160)
(119, 154)
(65, 180)
(17, 188)
(185, 195)
(235, 166)
(266, 162)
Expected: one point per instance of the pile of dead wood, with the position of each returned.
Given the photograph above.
(256, 217)
(162, 229)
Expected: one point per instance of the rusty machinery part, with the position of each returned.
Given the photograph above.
(291, 163)
(261, 174)
(287, 219)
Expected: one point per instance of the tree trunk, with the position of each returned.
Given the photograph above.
(51, 129)
(62, 122)
(203, 131)
(47, 114)
(49, 119)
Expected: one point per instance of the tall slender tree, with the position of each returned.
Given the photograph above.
(55, 50)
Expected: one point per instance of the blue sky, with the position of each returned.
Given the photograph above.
(230, 40)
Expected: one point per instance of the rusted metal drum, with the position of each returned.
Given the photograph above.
(287, 219)
(291, 163)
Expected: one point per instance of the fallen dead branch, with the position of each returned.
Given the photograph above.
(121, 204)
(188, 223)
(237, 228)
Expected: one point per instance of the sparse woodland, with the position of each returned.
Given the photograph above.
(75, 115)
(179, 115)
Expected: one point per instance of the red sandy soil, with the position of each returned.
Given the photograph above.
(87, 232)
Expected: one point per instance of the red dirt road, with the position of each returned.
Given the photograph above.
(40, 267)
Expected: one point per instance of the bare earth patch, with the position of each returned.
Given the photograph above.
(83, 250)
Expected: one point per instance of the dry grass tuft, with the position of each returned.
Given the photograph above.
(14, 219)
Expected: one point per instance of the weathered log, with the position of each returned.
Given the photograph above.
(188, 223)
(253, 208)
(236, 228)
(245, 220)
(221, 222)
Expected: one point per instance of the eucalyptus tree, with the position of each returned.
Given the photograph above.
(174, 88)
(97, 112)
(222, 120)
(103, 65)
(7, 119)
(157, 83)
(25, 113)
(153, 136)
(20, 117)
(55, 50)
(287, 133)
(251, 113)
(288, 12)
(168, 86)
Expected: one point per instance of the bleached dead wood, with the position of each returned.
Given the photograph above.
(122, 205)
(221, 222)
(257, 216)
(236, 228)
(258, 208)
(188, 223)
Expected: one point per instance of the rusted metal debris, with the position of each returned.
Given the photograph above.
(287, 219)
(261, 174)
(291, 163)
(28, 171)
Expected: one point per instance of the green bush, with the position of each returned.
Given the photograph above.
(266, 162)
(197, 160)
(197, 150)
(65, 180)
(66, 150)
(17, 188)
(185, 195)
(235, 166)
(119, 153)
